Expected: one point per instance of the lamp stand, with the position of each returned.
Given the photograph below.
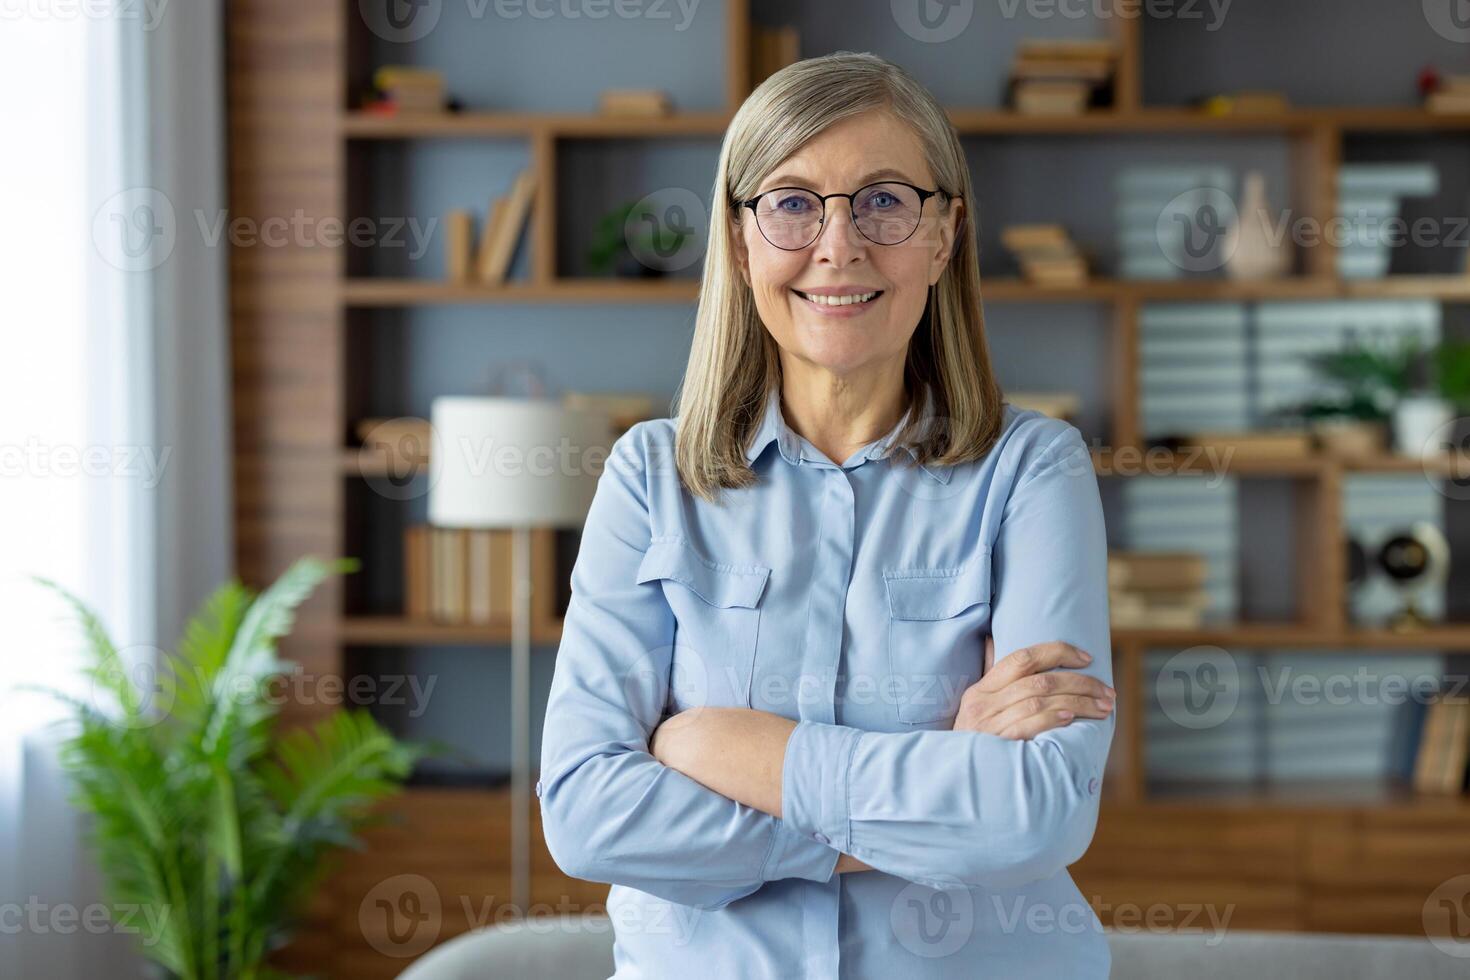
(520, 723)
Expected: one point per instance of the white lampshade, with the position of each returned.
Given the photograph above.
(508, 462)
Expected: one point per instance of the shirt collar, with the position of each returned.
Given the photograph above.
(773, 428)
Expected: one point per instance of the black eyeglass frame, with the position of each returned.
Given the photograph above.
(924, 195)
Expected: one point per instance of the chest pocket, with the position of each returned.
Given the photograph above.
(937, 621)
(717, 613)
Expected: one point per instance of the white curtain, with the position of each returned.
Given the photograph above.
(114, 452)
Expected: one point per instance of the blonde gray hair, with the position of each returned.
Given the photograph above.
(734, 362)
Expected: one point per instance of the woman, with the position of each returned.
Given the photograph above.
(832, 719)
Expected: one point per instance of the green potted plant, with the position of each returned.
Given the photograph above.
(1366, 381)
(615, 251)
(203, 817)
(1439, 390)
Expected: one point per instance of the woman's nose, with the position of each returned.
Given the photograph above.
(839, 238)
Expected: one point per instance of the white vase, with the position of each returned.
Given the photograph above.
(1421, 425)
(1251, 247)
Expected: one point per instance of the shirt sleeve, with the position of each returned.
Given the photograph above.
(947, 808)
(610, 811)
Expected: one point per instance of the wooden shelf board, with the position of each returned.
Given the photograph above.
(385, 292)
(1007, 289)
(967, 121)
(1160, 462)
(1300, 636)
(398, 630)
(1326, 794)
(390, 292)
(430, 125)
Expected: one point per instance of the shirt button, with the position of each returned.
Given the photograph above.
(821, 838)
(1092, 786)
(538, 787)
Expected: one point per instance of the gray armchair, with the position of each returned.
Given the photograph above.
(580, 948)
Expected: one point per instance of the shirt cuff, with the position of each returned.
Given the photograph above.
(814, 782)
(796, 855)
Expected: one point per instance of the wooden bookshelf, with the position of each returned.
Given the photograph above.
(1283, 854)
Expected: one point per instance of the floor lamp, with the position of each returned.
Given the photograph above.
(515, 463)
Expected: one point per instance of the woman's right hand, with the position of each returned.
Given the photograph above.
(1026, 695)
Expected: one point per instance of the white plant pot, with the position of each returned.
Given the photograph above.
(1421, 425)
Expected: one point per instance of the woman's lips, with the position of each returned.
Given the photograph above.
(845, 309)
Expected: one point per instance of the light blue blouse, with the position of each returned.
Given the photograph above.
(855, 600)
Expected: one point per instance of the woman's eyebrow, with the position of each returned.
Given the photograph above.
(791, 180)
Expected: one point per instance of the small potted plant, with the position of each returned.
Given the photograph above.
(1366, 380)
(1438, 392)
(615, 251)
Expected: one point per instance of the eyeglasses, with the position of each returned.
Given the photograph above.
(886, 213)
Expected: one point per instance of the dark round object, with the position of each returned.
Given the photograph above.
(1403, 557)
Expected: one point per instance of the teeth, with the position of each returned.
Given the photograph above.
(838, 300)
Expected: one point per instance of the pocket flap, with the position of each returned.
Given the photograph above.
(716, 583)
(938, 593)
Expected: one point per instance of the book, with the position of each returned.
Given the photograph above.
(480, 577)
(1439, 766)
(508, 216)
(416, 571)
(458, 246)
(1042, 97)
(634, 102)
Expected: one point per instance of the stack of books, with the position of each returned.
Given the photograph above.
(771, 49)
(1444, 746)
(1050, 77)
(457, 575)
(1367, 198)
(1161, 211)
(1046, 254)
(1453, 95)
(401, 88)
(1156, 589)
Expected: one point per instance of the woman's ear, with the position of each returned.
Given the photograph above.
(742, 254)
(948, 228)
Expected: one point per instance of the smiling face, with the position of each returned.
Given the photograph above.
(796, 291)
